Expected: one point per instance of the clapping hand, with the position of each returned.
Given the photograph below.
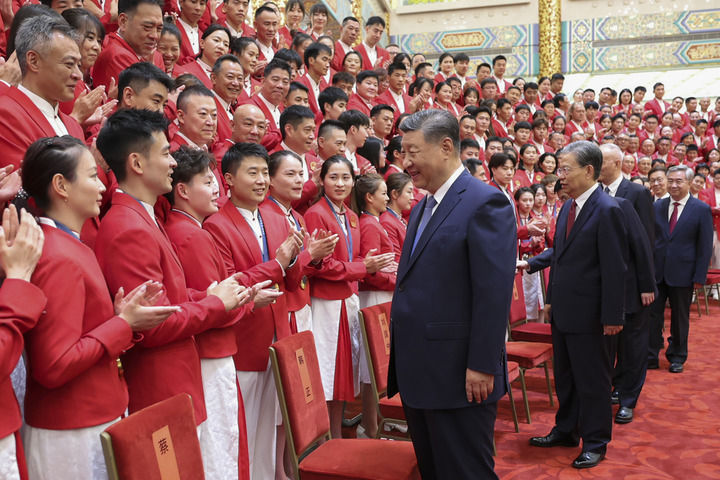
(138, 307)
(21, 243)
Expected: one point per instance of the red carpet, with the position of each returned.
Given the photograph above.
(675, 433)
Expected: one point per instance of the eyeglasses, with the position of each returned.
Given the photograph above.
(565, 170)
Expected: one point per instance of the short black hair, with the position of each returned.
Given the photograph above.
(461, 57)
(289, 56)
(237, 153)
(190, 162)
(314, 50)
(420, 66)
(497, 58)
(396, 66)
(276, 64)
(294, 115)
(521, 125)
(354, 118)
(139, 75)
(329, 125)
(331, 95)
(498, 160)
(44, 159)
(375, 20)
(195, 90)
(275, 160)
(379, 108)
(343, 77)
(128, 131)
(129, 6)
(366, 74)
(468, 143)
(557, 76)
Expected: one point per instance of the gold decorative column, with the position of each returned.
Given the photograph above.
(550, 44)
(356, 8)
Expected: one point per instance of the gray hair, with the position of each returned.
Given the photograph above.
(612, 151)
(37, 34)
(435, 125)
(586, 153)
(687, 171)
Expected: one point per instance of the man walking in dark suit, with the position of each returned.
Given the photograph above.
(633, 341)
(451, 305)
(683, 246)
(587, 280)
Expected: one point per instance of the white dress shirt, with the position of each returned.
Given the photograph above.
(445, 187)
(274, 110)
(193, 34)
(49, 112)
(399, 100)
(680, 207)
(580, 201)
(612, 188)
(371, 53)
(267, 52)
(251, 217)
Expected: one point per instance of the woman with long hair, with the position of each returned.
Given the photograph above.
(247, 51)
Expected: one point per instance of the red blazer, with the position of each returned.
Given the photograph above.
(520, 179)
(73, 379)
(386, 98)
(172, 6)
(115, 57)
(187, 54)
(374, 236)
(627, 110)
(194, 68)
(570, 128)
(21, 304)
(337, 278)
(654, 106)
(708, 196)
(298, 298)
(285, 37)
(356, 102)
(382, 55)
(247, 30)
(500, 129)
(105, 19)
(239, 249)
(131, 249)
(396, 229)
(224, 126)
(305, 80)
(21, 123)
(272, 137)
(338, 57)
(310, 189)
(80, 88)
(203, 265)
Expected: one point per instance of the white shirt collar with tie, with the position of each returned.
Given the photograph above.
(613, 187)
(580, 200)
(681, 205)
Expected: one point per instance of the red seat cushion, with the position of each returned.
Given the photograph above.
(528, 354)
(513, 371)
(532, 332)
(712, 278)
(392, 407)
(357, 459)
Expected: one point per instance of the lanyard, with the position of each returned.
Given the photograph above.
(394, 214)
(289, 213)
(348, 235)
(63, 227)
(265, 254)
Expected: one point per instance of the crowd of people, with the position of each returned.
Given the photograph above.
(188, 182)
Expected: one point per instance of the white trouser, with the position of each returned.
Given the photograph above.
(8, 459)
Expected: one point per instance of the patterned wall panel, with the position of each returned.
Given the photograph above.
(517, 42)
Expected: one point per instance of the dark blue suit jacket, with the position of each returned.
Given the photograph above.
(452, 298)
(641, 200)
(682, 257)
(587, 275)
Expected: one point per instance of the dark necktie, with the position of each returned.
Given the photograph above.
(571, 218)
(673, 217)
(607, 190)
(427, 213)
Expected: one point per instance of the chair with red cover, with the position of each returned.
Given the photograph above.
(375, 327)
(712, 281)
(514, 374)
(155, 443)
(528, 331)
(315, 455)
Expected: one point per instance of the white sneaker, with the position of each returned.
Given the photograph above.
(360, 432)
(395, 426)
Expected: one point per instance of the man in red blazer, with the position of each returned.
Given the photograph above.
(499, 63)
(333, 103)
(395, 95)
(357, 129)
(191, 11)
(259, 246)
(235, 12)
(266, 27)
(21, 304)
(249, 125)
(270, 97)
(349, 33)
(367, 91)
(577, 121)
(132, 247)
(317, 63)
(30, 110)
(227, 78)
(373, 56)
(197, 118)
(297, 124)
(139, 25)
(657, 105)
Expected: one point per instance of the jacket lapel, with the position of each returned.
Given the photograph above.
(33, 112)
(244, 230)
(585, 213)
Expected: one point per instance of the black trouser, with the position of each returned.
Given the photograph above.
(454, 444)
(631, 366)
(680, 301)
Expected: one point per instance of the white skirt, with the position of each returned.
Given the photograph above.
(326, 325)
(76, 453)
(533, 294)
(8, 459)
(369, 299)
(219, 434)
(303, 319)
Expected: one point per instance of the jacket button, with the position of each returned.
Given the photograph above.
(401, 288)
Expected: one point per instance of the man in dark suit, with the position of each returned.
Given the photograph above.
(683, 246)
(633, 341)
(587, 281)
(451, 305)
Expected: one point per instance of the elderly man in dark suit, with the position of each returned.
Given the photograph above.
(633, 341)
(451, 305)
(683, 246)
(586, 291)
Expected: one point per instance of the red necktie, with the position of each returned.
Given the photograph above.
(673, 217)
(571, 218)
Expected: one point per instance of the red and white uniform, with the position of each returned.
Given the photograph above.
(115, 57)
(396, 229)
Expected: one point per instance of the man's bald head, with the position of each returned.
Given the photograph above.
(249, 124)
(612, 163)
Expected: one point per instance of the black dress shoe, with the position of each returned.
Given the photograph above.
(653, 364)
(676, 368)
(624, 415)
(615, 397)
(555, 439)
(588, 460)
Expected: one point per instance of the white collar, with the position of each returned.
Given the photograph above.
(271, 107)
(368, 47)
(187, 26)
(614, 185)
(582, 198)
(43, 105)
(189, 142)
(682, 201)
(445, 187)
(51, 222)
(148, 208)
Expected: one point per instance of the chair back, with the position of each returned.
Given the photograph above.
(158, 442)
(375, 325)
(517, 306)
(300, 391)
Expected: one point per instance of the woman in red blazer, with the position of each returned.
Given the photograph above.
(370, 202)
(75, 388)
(400, 193)
(215, 43)
(21, 304)
(525, 200)
(335, 287)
